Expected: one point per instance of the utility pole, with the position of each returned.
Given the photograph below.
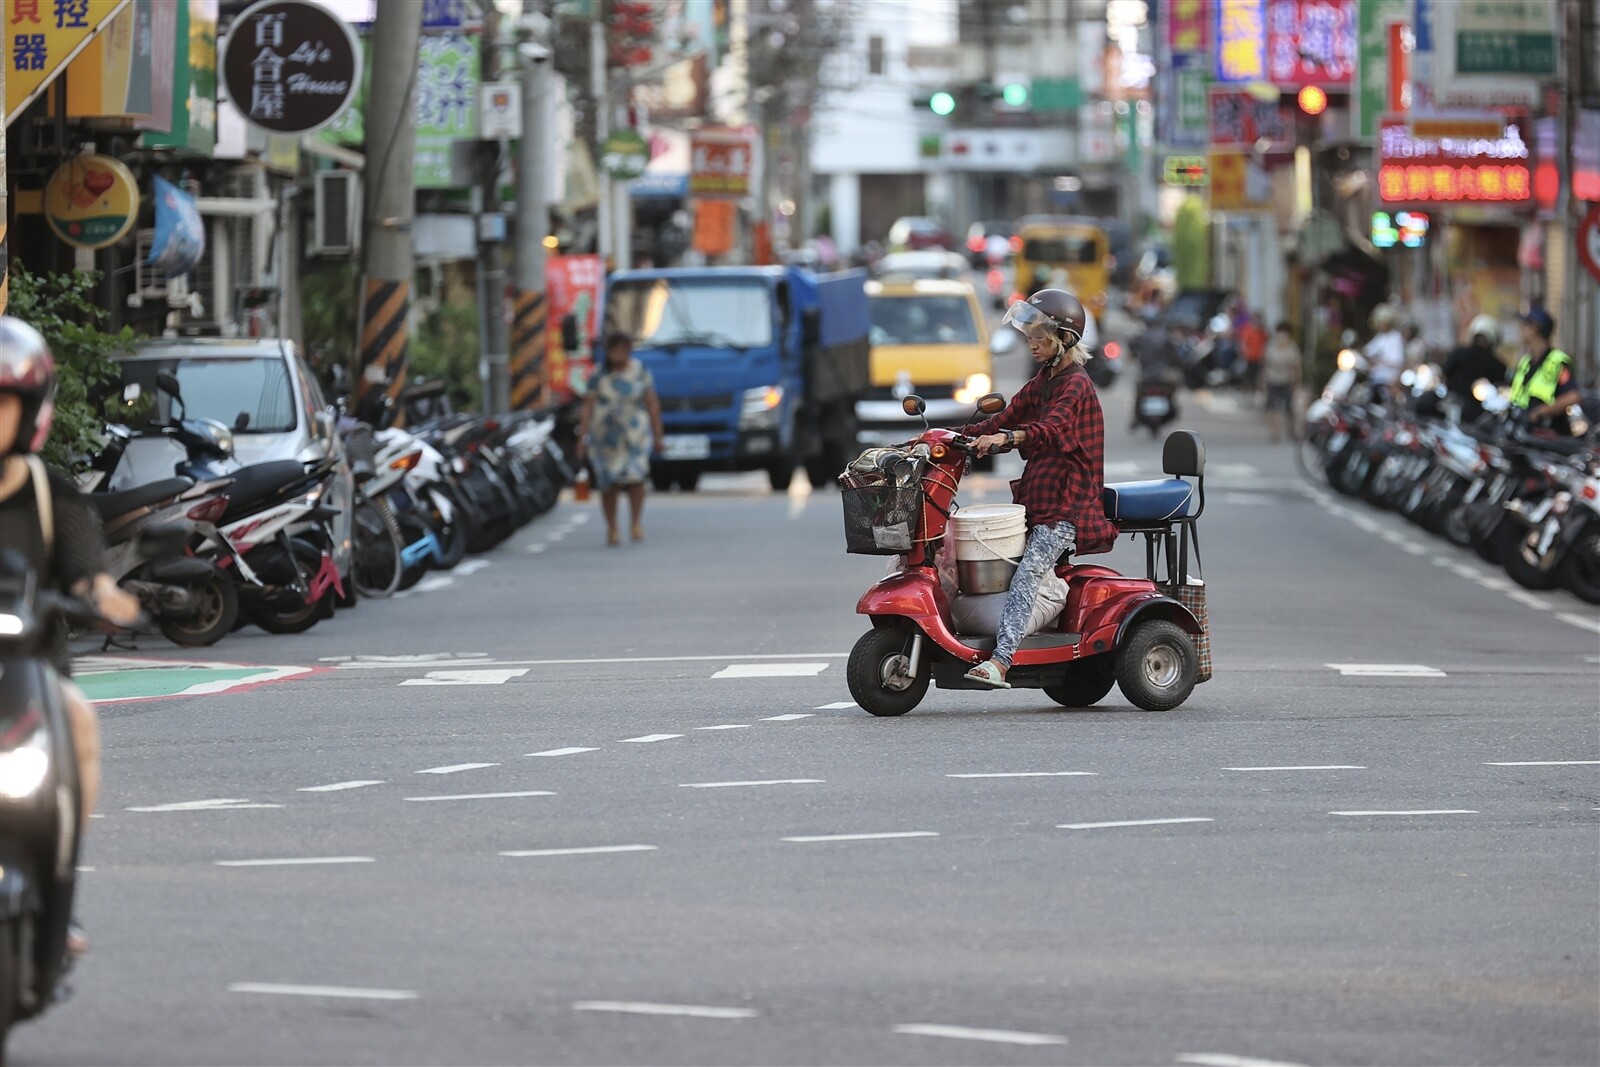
(602, 130)
(390, 185)
(494, 344)
(531, 324)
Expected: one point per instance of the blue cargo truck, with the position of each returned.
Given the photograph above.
(757, 368)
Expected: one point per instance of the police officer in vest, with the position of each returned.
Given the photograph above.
(1544, 384)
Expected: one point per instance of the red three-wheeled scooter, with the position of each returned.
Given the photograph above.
(1145, 635)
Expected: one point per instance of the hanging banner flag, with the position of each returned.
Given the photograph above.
(42, 38)
(180, 238)
(574, 285)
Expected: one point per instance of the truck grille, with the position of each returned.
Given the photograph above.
(674, 404)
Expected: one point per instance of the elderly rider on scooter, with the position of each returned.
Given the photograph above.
(1056, 423)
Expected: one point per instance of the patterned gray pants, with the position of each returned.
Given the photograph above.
(1045, 545)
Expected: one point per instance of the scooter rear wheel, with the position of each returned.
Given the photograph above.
(215, 616)
(879, 672)
(1086, 684)
(1157, 665)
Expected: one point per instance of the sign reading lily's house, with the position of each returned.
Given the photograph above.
(290, 66)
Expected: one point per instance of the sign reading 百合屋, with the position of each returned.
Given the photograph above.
(290, 66)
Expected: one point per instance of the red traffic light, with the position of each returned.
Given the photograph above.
(1313, 100)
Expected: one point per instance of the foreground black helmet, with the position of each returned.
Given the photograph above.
(28, 369)
(1049, 313)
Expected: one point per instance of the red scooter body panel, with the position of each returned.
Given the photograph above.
(915, 594)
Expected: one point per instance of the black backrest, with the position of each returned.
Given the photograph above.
(1184, 454)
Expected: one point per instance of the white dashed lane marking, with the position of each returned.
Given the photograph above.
(337, 787)
(726, 726)
(490, 796)
(693, 1011)
(563, 751)
(647, 739)
(770, 781)
(814, 839)
(308, 861)
(1127, 822)
(968, 1033)
(206, 805)
(1423, 811)
(838, 705)
(456, 768)
(1548, 763)
(322, 991)
(491, 676)
(785, 718)
(1309, 767)
(771, 670)
(596, 850)
(1386, 670)
(1028, 774)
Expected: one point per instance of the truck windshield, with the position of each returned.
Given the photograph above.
(922, 320)
(248, 395)
(1060, 250)
(662, 312)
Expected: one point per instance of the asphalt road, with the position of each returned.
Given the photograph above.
(619, 844)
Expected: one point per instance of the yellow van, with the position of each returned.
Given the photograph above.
(1075, 256)
(928, 337)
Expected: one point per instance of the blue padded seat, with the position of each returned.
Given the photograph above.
(1159, 500)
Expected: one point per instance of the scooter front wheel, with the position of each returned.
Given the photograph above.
(879, 672)
(1157, 665)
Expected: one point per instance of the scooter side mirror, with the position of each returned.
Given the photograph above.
(913, 405)
(991, 404)
(167, 382)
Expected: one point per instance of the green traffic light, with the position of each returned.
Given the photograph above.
(941, 103)
(1015, 95)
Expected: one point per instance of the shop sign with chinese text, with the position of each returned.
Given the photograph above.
(1188, 27)
(448, 74)
(721, 161)
(1311, 42)
(1450, 170)
(1239, 120)
(290, 66)
(41, 36)
(1241, 40)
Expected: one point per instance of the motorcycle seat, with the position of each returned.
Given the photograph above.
(259, 481)
(110, 505)
(1157, 500)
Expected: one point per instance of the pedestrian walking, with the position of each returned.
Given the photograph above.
(619, 430)
(1281, 369)
(1253, 347)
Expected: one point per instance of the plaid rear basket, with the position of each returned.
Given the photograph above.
(1192, 595)
(879, 519)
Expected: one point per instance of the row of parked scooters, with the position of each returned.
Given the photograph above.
(1527, 499)
(221, 545)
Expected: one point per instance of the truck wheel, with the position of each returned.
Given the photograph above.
(1156, 666)
(820, 472)
(688, 481)
(660, 479)
(877, 672)
(780, 473)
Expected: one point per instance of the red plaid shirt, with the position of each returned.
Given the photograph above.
(1064, 444)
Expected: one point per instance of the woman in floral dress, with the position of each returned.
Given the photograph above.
(620, 428)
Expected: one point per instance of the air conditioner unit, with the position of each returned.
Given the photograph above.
(336, 219)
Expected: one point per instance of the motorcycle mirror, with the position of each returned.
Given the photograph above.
(131, 392)
(167, 382)
(913, 405)
(991, 404)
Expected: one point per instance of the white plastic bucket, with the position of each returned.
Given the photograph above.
(988, 540)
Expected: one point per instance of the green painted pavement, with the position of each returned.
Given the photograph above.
(106, 680)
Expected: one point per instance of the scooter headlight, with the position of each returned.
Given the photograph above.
(23, 769)
(1348, 359)
(10, 625)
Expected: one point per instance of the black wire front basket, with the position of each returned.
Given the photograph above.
(882, 494)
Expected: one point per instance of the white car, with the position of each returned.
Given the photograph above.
(262, 390)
